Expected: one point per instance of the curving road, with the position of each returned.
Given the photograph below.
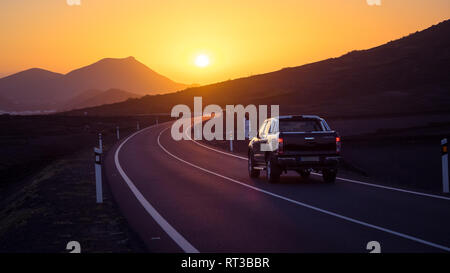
(182, 196)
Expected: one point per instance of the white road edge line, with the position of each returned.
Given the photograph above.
(175, 235)
(349, 219)
(339, 178)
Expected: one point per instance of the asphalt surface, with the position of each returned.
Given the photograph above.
(182, 197)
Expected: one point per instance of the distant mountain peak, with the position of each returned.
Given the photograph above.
(117, 60)
(127, 61)
(36, 69)
(122, 73)
(34, 72)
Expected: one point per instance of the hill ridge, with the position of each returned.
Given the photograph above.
(404, 75)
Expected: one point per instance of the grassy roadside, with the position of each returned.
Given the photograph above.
(58, 205)
(47, 185)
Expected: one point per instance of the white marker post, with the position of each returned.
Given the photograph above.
(100, 142)
(117, 133)
(231, 141)
(156, 121)
(137, 126)
(444, 152)
(247, 128)
(98, 174)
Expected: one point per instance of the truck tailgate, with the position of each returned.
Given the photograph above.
(310, 143)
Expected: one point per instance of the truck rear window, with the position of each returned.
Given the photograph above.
(300, 125)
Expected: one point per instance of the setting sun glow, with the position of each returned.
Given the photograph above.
(202, 60)
(237, 38)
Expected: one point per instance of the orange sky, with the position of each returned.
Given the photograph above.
(241, 37)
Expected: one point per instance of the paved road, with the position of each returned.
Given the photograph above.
(180, 196)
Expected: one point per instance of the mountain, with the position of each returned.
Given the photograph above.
(30, 87)
(409, 75)
(5, 104)
(96, 97)
(80, 99)
(38, 89)
(126, 74)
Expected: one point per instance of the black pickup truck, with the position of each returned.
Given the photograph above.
(303, 143)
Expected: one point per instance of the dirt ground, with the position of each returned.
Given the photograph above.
(58, 205)
(47, 189)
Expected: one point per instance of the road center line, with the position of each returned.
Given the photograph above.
(349, 219)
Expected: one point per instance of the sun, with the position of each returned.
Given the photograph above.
(202, 60)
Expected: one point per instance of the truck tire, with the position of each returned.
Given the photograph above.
(251, 167)
(272, 171)
(329, 176)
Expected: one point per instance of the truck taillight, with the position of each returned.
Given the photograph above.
(280, 146)
(338, 145)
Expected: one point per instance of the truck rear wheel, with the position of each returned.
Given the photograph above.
(251, 167)
(329, 176)
(272, 171)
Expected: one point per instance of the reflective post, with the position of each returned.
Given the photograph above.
(98, 174)
(444, 153)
